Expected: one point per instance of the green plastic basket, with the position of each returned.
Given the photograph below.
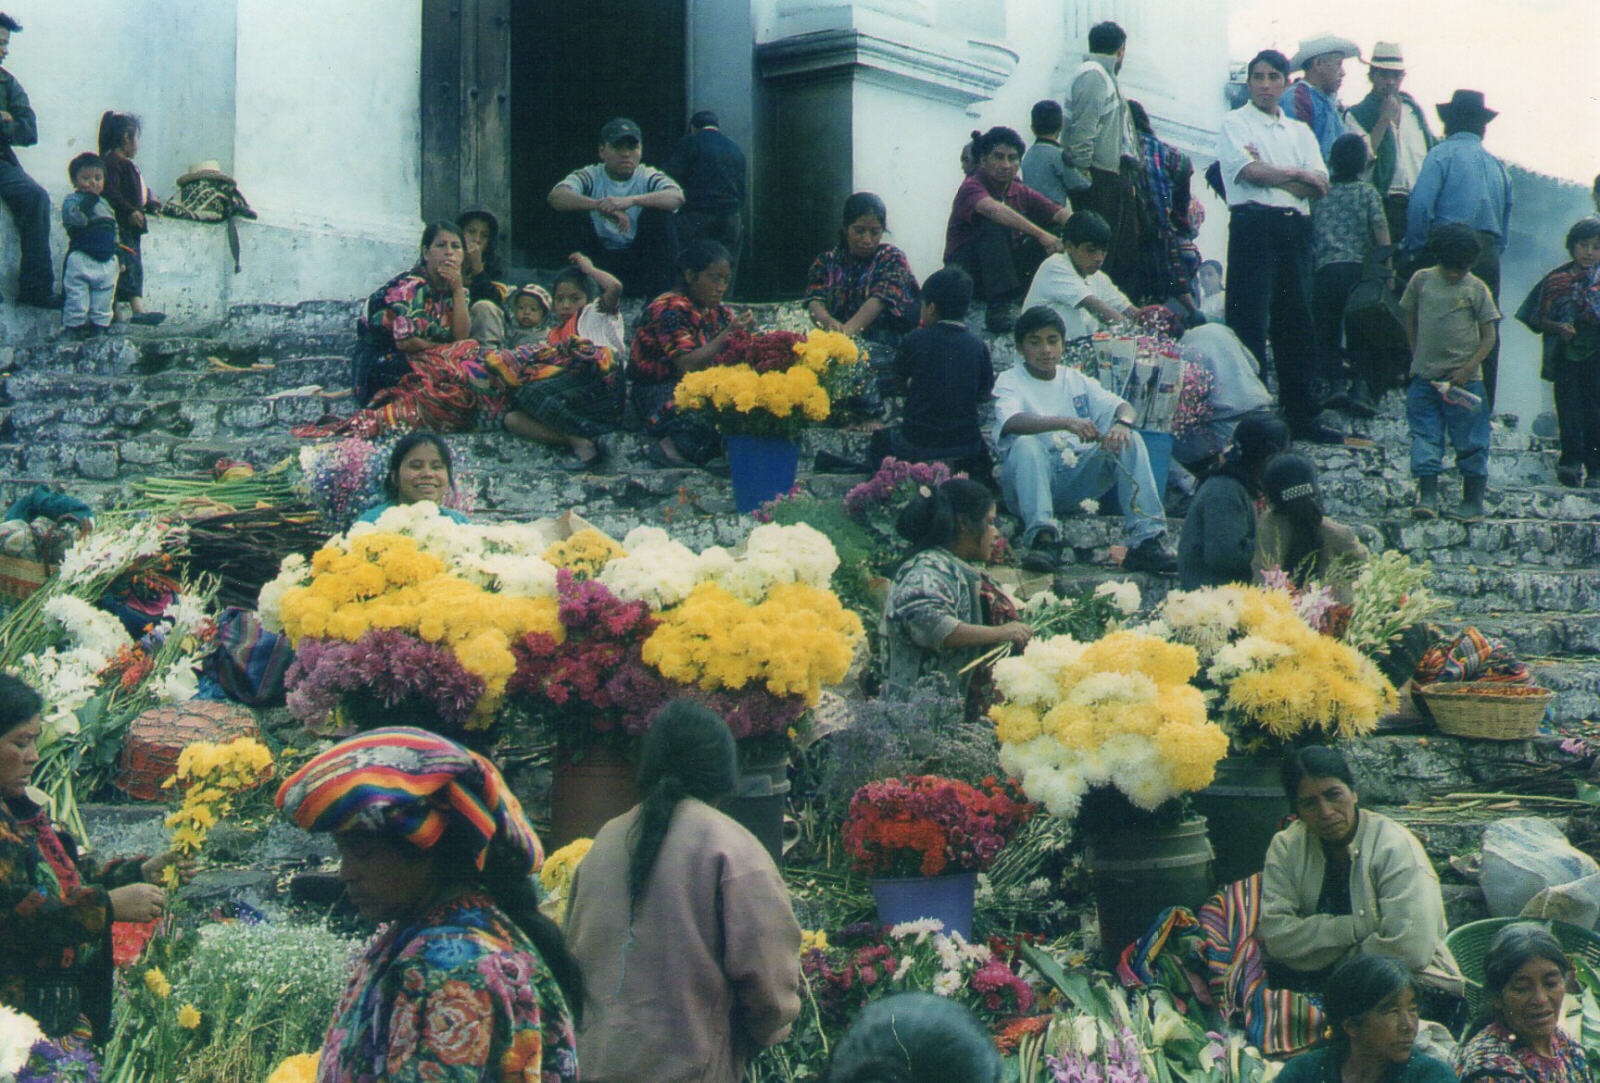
(1470, 943)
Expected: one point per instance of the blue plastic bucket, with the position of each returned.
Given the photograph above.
(911, 898)
(762, 468)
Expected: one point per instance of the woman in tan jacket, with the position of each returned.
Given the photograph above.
(1343, 881)
(682, 924)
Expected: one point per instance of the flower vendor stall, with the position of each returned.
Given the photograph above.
(761, 394)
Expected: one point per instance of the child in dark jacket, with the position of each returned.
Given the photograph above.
(126, 191)
(90, 275)
(1569, 317)
(947, 375)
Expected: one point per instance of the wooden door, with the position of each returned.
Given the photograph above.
(466, 107)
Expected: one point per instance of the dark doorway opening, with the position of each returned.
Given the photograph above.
(573, 67)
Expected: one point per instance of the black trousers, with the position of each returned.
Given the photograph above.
(1111, 196)
(649, 266)
(1269, 296)
(1577, 394)
(1330, 290)
(724, 227)
(1001, 266)
(30, 209)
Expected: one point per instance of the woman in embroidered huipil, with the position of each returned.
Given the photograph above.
(863, 286)
(1519, 1039)
(467, 982)
(56, 906)
(942, 611)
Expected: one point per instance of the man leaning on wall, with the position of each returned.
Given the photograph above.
(29, 203)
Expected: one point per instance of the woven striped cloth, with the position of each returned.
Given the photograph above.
(1472, 656)
(1276, 1021)
(409, 783)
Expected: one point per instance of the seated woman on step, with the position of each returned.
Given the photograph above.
(1372, 1009)
(1343, 881)
(1519, 1039)
(468, 980)
(681, 331)
(689, 946)
(943, 613)
(420, 468)
(57, 906)
(416, 310)
(1297, 536)
(863, 286)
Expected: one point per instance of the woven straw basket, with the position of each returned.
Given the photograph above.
(1487, 709)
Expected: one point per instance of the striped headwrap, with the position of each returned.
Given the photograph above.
(411, 784)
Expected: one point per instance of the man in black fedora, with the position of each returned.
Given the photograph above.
(1461, 182)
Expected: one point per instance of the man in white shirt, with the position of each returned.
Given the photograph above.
(1272, 168)
(1064, 439)
(1073, 284)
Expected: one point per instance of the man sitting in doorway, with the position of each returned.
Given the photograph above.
(630, 207)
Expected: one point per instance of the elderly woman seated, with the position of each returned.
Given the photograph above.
(1343, 881)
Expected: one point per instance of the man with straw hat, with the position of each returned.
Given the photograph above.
(1397, 131)
(1313, 100)
(1462, 182)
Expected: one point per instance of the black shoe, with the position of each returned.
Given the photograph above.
(1150, 556)
(42, 300)
(1570, 476)
(147, 319)
(1315, 433)
(1043, 553)
(1427, 505)
(1361, 404)
(827, 462)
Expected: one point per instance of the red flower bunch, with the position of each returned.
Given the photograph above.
(927, 826)
(1001, 990)
(129, 666)
(764, 351)
(596, 679)
(843, 983)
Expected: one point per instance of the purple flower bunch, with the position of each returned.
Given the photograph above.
(52, 1063)
(1117, 1061)
(342, 479)
(380, 676)
(887, 492)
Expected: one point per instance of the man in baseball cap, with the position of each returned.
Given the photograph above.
(630, 207)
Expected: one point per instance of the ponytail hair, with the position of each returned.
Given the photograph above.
(688, 752)
(114, 128)
(934, 519)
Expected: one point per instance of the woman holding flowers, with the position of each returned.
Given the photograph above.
(56, 907)
(1343, 881)
(690, 949)
(1371, 1005)
(1525, 974)
(1297, 536)
(863, 286)
(943, 613)
(420, 469)
(682, 331)
(467, 982)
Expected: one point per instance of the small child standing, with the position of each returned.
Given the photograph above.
(1450, 323)
(1043, 168)
(130, 199)
(946, 374)
(1569, 317)
(90, 276)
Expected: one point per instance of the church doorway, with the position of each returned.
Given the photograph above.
(573, 67)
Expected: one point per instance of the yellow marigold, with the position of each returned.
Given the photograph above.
(188, 1017)
(812, 940)
(1013, 724)
(157, 982)
(556, 874)
(300, 1068)
(585, 552)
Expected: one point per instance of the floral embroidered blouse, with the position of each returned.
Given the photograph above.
(411, 309)
(843, 284)
(458, 996)
(671, 326)
(55, 923)
(1494, 1053)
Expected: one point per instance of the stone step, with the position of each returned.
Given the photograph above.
(1576, 682)
(1476, 590)
(331, 373)
(1538, 634)
(1497, 541)
(238, 418)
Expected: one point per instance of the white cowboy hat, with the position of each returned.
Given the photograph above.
(1322, 45)
(1386, 55)
(208, 168)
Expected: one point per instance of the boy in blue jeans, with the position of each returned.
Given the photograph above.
(1450, 323)
(89, 278)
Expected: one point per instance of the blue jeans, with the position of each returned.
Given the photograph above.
(1038, 484)
(1432, 419)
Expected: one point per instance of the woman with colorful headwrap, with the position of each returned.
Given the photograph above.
(468, 982)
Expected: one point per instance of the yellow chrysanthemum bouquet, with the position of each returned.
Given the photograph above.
(1273, 679)
(771, 384)
(1119, 712)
